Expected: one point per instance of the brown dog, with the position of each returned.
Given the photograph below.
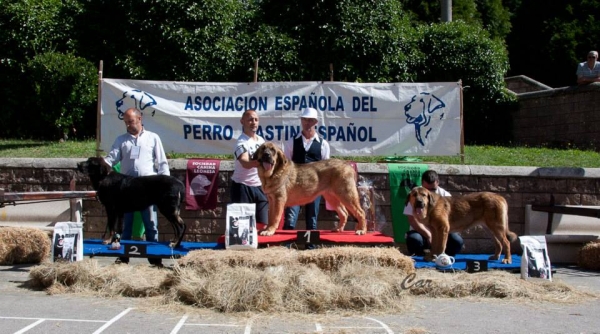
(443, 215)
(287, 184)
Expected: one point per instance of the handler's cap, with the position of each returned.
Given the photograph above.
(309, 113)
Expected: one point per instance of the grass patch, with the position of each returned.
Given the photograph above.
(474, 155)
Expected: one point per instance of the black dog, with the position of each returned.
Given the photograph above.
(120, 193)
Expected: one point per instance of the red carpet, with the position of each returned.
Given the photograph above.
(346, 237)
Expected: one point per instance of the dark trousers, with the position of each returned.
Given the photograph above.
(416, 244)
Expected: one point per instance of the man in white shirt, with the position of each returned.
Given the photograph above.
(418, 238)
(589, 71)
(306, 147)
(140, 153)
(246, 186)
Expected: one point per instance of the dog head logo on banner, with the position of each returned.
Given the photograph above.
(419, 112)
(135, 99)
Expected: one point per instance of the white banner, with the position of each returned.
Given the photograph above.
(358, 119)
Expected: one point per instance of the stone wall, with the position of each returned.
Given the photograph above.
(519, 185)
(523, 84)
(561, 117)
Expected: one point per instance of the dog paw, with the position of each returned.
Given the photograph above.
(361, 232)
(428, 257)
(267, 232)
(106, 242)
(507, 261)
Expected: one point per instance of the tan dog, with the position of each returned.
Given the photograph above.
(287, 184)
(443, 215)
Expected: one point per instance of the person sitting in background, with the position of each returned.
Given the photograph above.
(589, 71)
(418, 238)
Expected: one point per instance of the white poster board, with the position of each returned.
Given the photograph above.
(67, 242)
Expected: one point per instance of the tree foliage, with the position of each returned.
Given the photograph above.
(548, 46)
(491, 15)
(41, 78)
(63, 85)
(458, 51)
(364, 40)
(51, 48)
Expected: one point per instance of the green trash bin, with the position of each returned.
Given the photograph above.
(138, 230)
(402, 178)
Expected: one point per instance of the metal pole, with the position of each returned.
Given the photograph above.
(330, 71)
(99, 110)
(446, 10)
(256, 70)
(462, 128)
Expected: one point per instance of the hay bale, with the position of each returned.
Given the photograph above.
(209, 260)
(294, 287)
(589, 256)
(227, 290)
(88, 276)
(325, 258)
(283, 280)
(334, 257)
(23, 245)
(278, 279)
(491, 284)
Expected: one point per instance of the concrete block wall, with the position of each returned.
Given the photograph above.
(519, 185)
(560, 117)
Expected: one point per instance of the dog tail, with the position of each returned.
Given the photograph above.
(180, 198)
(511, 236)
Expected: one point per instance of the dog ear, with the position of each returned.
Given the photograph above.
(105, 168)
(281, 157)
(431, 199)
(408, 199)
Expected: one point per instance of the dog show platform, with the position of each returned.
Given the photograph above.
(130, 248)
(145, 249)
(317, 237)
(473, 263)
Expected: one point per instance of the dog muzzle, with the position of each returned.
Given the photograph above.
(267, 166)
(419, 208)
(267, 162)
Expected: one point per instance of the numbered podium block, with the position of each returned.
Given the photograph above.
(475, 266)
(136, 250)
(308, 237)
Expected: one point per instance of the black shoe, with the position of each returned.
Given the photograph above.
(123, 260)
(155, 262)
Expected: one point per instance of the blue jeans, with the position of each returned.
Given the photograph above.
(150, 219)
(311, 212)
(416, 243)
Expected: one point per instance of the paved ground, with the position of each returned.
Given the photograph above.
(25, 311)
